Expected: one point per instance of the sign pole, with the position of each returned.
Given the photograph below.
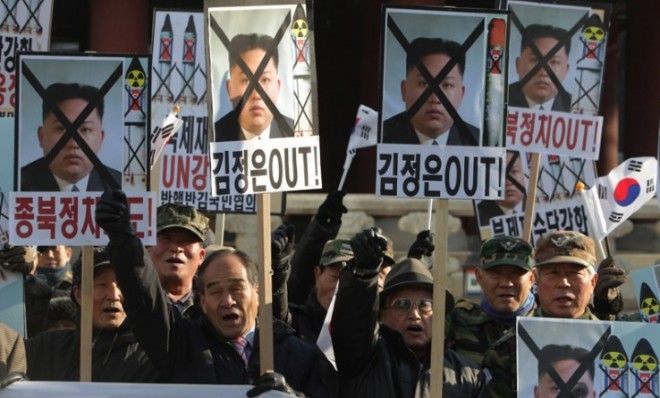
(86, 285)
(530, 201)
(439, 275)
(220, 229)
(265, 285)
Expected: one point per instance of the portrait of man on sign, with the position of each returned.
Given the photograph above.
(252, 118)
(433, 78)
(260, 73)
(70, 129)
(70, 169)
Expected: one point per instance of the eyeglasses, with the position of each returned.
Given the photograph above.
(403, 305)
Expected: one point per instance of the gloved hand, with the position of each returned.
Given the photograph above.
(270, 381)
(607, 298)
(17, 259)
(368, 247)
(422, 246)
(112, 214)
(331, 209)
(281, 243)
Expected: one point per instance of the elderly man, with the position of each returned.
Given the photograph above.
(179, 250)
(390, 358)
(221, 346)
(255, 119)
(505, 276)
(565, 275)
(116, 354)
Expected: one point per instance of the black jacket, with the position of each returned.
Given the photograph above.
(190, 350)
(517, 98)
(36, 176)
(398, 130)
(227, 128)
(373, 360)
(306, 257)
(116, 357)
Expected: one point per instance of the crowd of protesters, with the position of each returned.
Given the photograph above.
(186, 312)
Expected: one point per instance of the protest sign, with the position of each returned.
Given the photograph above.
(556, 207)
(25, 27)
(586, 358)
(263, 99)
(51, 218)
(618, 195)
(559, 53)
(179, 73)
(646, 282)
(89, 135)
(433, 104)
(62, 389)
(12, 306)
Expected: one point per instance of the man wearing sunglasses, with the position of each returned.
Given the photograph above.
(390, 358)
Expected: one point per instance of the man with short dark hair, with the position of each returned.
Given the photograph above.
(256, 118)
(222, 345)
(70, 170)
(432, 124)
(540, 92)
(565, 360)
(391, 358)
(179, 250)
(116, 354)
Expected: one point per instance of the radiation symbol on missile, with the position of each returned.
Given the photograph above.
(650, 306)
(614, 360)
(299, 29)
(645, 362)
(593, 33)
(135, 78)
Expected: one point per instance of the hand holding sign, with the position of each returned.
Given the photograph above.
(112, 214)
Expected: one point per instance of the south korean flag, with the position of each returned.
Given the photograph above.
(163, 133)
(618, 195)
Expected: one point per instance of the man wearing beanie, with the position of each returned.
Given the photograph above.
(505, 276)
(391, 357)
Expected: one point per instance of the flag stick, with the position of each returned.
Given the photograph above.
(600, 250)
(530, 201)
(347, 165)
(430, 214)
(439, 275)
(86, 286)
(265, 285)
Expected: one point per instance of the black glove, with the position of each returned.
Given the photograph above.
(331, 209)
(281, 243)
(368, 247)
(270, 381)
(422, 246)
(607, 298)
(113, 216)
(14, 259)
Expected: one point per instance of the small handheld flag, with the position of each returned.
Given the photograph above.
(618, 195)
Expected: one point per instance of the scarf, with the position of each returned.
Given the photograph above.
(508, 318)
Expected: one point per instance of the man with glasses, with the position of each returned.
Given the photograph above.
(391, 357)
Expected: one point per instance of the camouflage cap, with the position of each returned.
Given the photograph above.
(566, 247)
(177, 216)
(336, 251)
(506, 250)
